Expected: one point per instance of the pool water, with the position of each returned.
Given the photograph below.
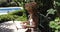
(9, 9)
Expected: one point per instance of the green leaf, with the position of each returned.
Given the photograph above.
(56, 30)
(53, 24)
(58, 27)
(57, 3)
(51, 11)
(57, 19)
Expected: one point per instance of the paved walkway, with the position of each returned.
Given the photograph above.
(10, 27)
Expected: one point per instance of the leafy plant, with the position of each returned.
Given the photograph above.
(50, 11)
(55, 24)
(16, 15)
(22, 18)
(18, 12)
(4, 18)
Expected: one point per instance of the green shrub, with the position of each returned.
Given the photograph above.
(7, 17)
(19, 13)
(22, 18)
(55, 25)
(16, 15)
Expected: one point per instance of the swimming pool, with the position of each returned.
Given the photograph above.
(9, 9)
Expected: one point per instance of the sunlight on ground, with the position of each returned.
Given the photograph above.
(11, 27)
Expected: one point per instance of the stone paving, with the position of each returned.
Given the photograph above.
(11, 27)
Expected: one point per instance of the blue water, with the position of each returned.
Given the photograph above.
(5, 10)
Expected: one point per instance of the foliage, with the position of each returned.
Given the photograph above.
(7, 17)
(21, 2)
(22, 18)
(51, 11)
(13, 3)
(57, 20)
(57, 2)
(55, 24)
(18, 12)
(16, 15)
